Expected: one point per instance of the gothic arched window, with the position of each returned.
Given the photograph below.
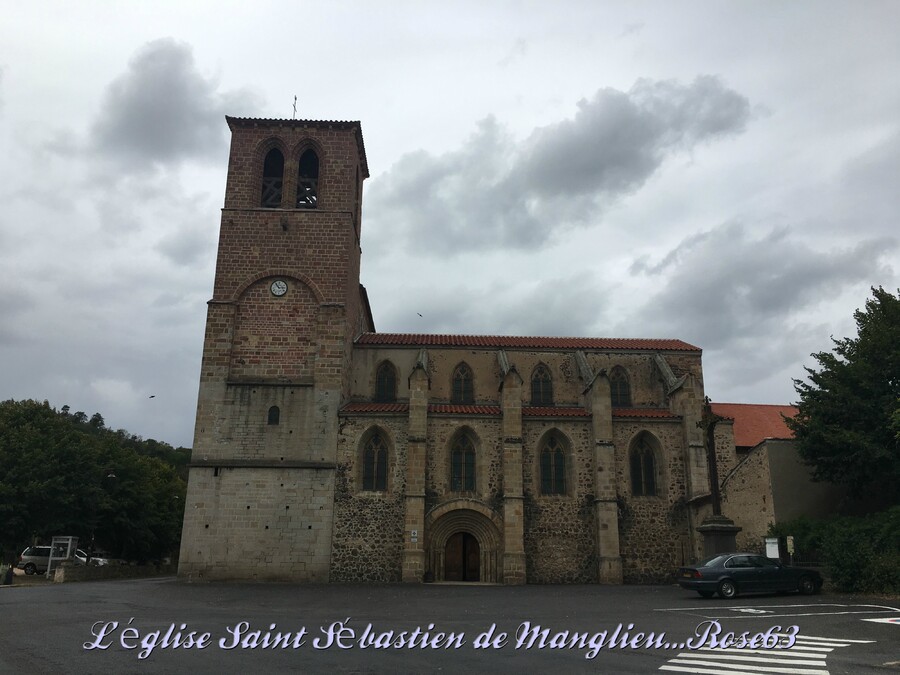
(386, 383)
(273, 179)
(541, 386)
(553, 467)
(274, 415)
(642, 461)
(308, 180)
(374, 476)
(462, 464)
(619, 391)
(463, 387)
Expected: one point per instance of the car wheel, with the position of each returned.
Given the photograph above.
(728, 589)
(806, 586)
(30, 568)
(706, 594)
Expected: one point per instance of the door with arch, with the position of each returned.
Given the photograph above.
(462, 558)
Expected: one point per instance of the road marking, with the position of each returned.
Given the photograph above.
(892, 619)
(751, 610)
(817, 610)
(807, 650)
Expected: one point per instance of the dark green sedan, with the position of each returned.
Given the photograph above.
(729, 574)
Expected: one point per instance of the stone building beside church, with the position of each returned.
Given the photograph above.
(326, 451)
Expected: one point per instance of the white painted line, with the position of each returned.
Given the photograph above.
(756, 669)
(819, 643)
(886, 608)
(792, 652)
(894, 620)
(825, 639)
(708, 671)
(754, 658)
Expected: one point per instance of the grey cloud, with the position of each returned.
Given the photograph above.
(495, 191)
(189, 246)
(562, 306)
(163, 110)
(724, 286)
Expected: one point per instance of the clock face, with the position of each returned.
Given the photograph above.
(278, 287)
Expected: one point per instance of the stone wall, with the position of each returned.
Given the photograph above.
(747, 499)
(653, 530)
(560, 530)
(368, 526)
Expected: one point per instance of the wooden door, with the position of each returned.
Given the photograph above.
(462, 558)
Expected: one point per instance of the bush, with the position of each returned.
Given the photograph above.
(862, 554)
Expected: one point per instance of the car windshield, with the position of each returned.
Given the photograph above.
(716, 561)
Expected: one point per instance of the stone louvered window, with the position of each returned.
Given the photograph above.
(308, 180)
(619, 390)
(642, 461)
(541, 386)
(463, 385)
(273, 179)
(553, 467)
(462, 465)
(274, 415)
(386, 383)
(375, 453)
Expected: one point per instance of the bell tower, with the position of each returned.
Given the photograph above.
(285, 310)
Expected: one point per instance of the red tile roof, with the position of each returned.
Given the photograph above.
(551, 411)
(753, 423)
(375, 408)
(643, 412)
(514, 342)
(459, 409)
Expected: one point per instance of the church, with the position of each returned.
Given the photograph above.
(327, 451)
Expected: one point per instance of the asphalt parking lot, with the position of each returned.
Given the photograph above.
(164, 626)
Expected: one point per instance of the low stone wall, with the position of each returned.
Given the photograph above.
(68, 572)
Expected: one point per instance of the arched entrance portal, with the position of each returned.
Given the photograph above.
(464, 542)
(462, 558)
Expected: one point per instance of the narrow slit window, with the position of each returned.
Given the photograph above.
(274, 415)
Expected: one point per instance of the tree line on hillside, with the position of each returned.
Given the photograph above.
(64, 473)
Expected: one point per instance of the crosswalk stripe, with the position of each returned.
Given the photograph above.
(751, 657)
(807, 650)
(825, 639)
(793, 651)
(705, 671)
(731, 667)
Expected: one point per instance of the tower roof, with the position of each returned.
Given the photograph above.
(257, 122)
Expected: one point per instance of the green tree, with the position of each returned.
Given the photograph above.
(846, 425)
(60, 476)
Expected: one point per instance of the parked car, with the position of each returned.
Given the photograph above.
(729, 574)
(35, 559)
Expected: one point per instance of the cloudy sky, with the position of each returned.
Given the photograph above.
(726, 173)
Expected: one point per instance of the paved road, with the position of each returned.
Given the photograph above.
(49, 626)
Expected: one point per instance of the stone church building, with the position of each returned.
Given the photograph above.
(326, 451)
